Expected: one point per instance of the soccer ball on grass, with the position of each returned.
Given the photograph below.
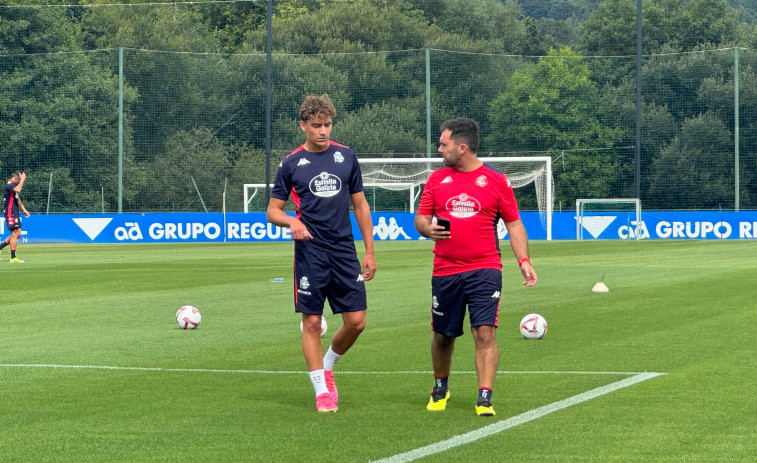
(188, 317)
(533, 326)
(324, 326)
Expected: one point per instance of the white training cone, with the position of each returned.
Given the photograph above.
(600, 287)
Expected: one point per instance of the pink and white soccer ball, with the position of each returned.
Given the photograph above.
(533, 326)
(324, 326)
(188, 317)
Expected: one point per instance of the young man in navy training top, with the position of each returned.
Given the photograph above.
(11, 206)
(468, 197)
(322, 178)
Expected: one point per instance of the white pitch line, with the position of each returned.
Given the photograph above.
(530, 415)
(275, 372)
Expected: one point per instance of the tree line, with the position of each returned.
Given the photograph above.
(555, 78)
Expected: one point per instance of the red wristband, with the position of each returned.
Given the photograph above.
(525, 259)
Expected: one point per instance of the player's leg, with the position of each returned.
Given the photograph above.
(6, 240)
(347, 297)
(353, 324)
(313, 352)
(447, 316)
(311, 277)
(487, 361)
(15, 235)
(442, 347)
(312, 348)
(483, 288)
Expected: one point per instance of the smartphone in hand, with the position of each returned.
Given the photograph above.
(443, 222)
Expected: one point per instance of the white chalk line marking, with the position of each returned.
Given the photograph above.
(300, 372)
(503, 425)
(455, 441)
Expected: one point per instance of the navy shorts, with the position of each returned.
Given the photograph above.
(321, 275)
(13, 223)
(479, 290)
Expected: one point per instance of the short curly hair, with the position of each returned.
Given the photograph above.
(315, 107)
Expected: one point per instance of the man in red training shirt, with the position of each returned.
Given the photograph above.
(468, 197)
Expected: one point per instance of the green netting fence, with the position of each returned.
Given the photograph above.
(154, 131)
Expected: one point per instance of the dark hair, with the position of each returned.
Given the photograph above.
(464, 130)
(316, 106)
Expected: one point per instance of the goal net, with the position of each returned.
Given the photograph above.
(593, 216)
(395, 184)
(410, 174)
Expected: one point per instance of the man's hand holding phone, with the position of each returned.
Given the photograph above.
(440, 230)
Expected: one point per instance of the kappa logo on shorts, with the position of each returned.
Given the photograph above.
(360, 277)
(495, 295)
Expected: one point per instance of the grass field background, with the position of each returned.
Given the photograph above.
(94, 369)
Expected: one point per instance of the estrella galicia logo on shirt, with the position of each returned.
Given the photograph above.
(325, 185)
(463, 206)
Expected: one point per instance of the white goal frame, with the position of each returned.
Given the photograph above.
(580, 208)
(413, 181)
(255, 187)
(436, 163)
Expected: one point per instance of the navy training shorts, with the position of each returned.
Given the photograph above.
(13, 223)
(321, 275)
(479, 290)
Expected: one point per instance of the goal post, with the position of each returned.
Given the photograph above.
(256, 191)
(590, 221)
(412, 174)
(409, 175)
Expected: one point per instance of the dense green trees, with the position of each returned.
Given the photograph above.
(553, 106)
(541, 77)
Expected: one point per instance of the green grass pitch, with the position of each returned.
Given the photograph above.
(94, 369)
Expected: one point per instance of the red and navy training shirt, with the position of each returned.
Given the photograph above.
(321, 185)
(10, 203)
(473, 202)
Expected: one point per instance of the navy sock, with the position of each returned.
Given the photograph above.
(441, 382)
(13, 254)
(484, 395)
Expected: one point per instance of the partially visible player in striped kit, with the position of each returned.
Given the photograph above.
(323, 178)
(459, 209)
(12, 206)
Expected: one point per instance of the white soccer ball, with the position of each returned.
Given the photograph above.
(188, 317)
(533, 326)
(324, 326)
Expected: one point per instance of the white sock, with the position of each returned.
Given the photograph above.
(330, 359)
(319, 382)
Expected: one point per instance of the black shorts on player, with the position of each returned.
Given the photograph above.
(479, 290)
(13, 223)
(321, 275)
